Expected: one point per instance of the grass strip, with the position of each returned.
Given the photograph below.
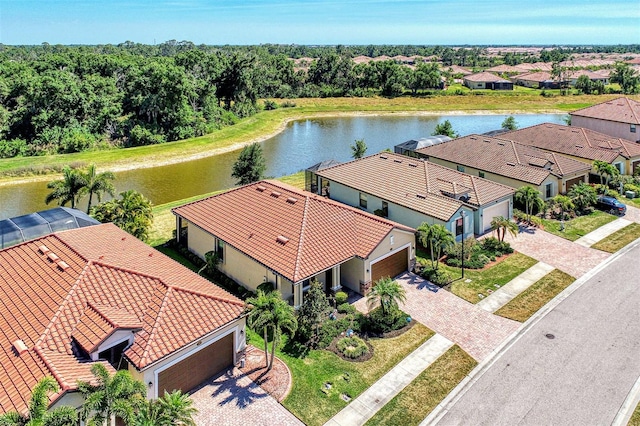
(527, 303)
(578, 226)
(422, 395)
(619, 239)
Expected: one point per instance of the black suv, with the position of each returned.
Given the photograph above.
(611, 205)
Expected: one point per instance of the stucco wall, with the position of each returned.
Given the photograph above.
(351, 273)
(618, 130)
(200, 242)
(400, 239)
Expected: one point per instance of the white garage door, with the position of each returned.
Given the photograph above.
(500, 209)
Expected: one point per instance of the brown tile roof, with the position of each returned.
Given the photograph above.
(416, 184)
(621, 110)
(534, 76)
(110, 274)
(574, 141)
(504, 69)
(456, 69)
(292, 232)
(486, 77)
(505, 158)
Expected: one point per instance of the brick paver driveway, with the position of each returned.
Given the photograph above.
(475, 330)
(562, 254)
(633, 214)
(232, 398)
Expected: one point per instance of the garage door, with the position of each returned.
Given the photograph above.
(500, 209)
(390, 266)
(190, 372)
(574, 181)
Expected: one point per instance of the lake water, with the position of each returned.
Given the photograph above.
(302, 144)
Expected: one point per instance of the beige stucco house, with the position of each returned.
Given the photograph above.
(509, 163)
(487, 80)
(412, 191)
(98, 295)
(272, 232)
(619, 118)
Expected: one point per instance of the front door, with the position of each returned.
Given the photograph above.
(328, 281)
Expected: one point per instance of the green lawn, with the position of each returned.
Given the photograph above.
(523, 306)
(310, 373)
(635, 418)
(619, 239)
(483, 280)
(422, 395)
(578, 226)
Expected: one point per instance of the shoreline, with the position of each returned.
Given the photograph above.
(151, 161)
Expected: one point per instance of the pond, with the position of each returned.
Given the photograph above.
(302, 144)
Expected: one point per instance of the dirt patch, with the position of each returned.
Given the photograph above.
(276, 382)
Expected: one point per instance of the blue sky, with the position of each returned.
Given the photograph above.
(428, 22)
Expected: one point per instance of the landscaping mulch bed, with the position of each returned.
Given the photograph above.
(276, 382)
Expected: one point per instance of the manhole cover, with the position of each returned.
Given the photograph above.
(550, 336)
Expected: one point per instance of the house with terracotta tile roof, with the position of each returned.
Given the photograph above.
(573, 77)
(619, 118)
(272, 232)
(96, 294)
(509, 163)
(487, 80)
(412, 191)
(581, 144)
(536, 80)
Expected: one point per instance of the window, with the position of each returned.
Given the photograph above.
(220, 249)
(460, 168)
(113, 356)
(363, 200)
(481, 174)
(632, 128)
(619, 167)
(385, 209)
(459, 226)
(548, 190)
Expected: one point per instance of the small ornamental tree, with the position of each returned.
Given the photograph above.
(446, 129)
(510, 123)
(436, 238)
(530, 197)
(250, 165)
(388, 293)
(313, 310)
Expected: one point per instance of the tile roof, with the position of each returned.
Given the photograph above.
(416, 184)
(506, 158)
(111, 279)
(574, 141)
(535, 76)
(292, 232)
(504, 69)
(622, 110)
(486, 77)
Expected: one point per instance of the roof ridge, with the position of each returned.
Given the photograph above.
(426, 177)
(515, 152)
(555, 161)
(473, 184)
(633, 111)
(202, 294)
(102, 315)
(158, 317)
(296, 268)
(52, 368)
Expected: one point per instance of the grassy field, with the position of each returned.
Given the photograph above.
(635, 418)
(267, 123)
(523, 306)
(310, 373)
(578, 226)
(619, 239)
(422, 395)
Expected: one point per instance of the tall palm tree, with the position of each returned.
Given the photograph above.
(605, 170)
(438, 238)
(260, 317)
(583, 196)
(67, 190)
(564, 203)
(530, 197)
(283, 320)
(388, 293)
(358, 149)
(97, 183)
(120, 395)
(502, 225)
(38, 414)
(172, 409)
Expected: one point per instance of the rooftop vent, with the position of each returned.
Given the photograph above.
(20, 347)
(396, 160)
(384, 157)
(261, 188)
(276, 194)
(282, 240)
(53, 257)
(511, 164)
(63, 265)
(488, 141)
(421, 196)
(413, 164)
(501, 143)
(579, 146)
(44, 249)
(292, 200)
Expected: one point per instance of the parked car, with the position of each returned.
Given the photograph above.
(611, 205)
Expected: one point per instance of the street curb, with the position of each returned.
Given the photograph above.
(441, 409)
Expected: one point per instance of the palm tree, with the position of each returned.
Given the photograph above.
(388, 293)
(530, 197)
(358, 149)
(172, 409)
(67, 190)
(438, 238)
(38, 404)
(583, 196)
(563, 202)
(283, 320)
(502, 225)
(260, 317)
(120, 395)
(605, 170)
(97, 183)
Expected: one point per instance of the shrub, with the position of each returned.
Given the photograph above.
(331, 329)
(288, 104)
(341, 297)
(266, 287)
(437, 276)
(492, 246)
(346, 308)
(270, 105)
(378, 323)
(352, 347)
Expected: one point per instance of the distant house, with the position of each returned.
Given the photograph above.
(409, 147)
(412, 191)
(486, 80)
(504, 69)
(272, 232)
(619, 118)
(91, 295)
(581, 144)
(509, 163)
(312, 182)
(573, 77)
(536, 80)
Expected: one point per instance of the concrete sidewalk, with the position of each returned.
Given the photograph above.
(507, 292)
(381, 392)
(603, 232)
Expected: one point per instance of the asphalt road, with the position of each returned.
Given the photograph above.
(575, 366)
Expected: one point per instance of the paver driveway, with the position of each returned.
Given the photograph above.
(562, 254)
(232, 398)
